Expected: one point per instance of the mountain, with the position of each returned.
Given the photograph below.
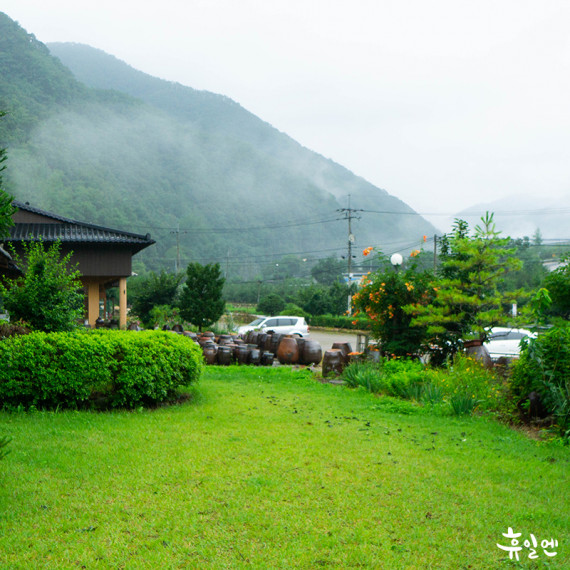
(518, 216)
(91, 138)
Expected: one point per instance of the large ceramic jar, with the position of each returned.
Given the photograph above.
(242, 353)
(345, 349)
(210, 350)
(312, 352)
(254, 356)
(267, 358)
(275, 340)
(224, 355)
(332, 363)
(288, 350)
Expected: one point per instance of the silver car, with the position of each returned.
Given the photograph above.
(281, 324)
(506, 342)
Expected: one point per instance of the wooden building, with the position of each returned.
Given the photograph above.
(103, 255)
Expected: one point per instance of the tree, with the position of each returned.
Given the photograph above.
(558, 285)
(201, 301)
(271, 304)
(6, 208)
(467, 300)
(49, 295)
(328, 271)
(154, 290)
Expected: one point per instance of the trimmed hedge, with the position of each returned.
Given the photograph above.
(96, 369)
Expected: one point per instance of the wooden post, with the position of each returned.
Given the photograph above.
(92, 303)
(123, 303)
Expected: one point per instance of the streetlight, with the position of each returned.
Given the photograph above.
(396, 260)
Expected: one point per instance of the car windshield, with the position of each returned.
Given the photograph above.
(257, 321)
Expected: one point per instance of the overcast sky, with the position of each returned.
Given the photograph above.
(443, 103)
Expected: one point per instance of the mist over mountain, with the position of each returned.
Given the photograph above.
(91, 138)
(524, 215)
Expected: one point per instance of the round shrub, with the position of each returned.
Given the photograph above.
(96, 369)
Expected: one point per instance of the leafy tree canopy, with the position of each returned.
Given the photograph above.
(49, 295)
(156, 289)
(201, 302)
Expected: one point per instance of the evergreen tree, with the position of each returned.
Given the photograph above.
(201, 302)
(467, 301)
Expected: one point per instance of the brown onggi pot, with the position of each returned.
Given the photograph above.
(288, 350)
(312, 352)
(345, 349)
(332, 363)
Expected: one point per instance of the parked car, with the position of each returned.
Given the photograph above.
(280, 324)
(506, 342)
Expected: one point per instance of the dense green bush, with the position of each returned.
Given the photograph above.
(460, 388)
(101, 368)
(340, 322)
(544, 367)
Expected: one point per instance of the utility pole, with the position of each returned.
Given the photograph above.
(177, 232)
(349, 214)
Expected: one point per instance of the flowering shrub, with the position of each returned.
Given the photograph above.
(382, 297)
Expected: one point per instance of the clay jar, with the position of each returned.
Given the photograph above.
(224, 355)
(312, 352)
(268, 342)
(242, 353)
(288, 350)
(300, 346)
(254, 355)
(261, 340)
(210, 350)
(345, 350)
(332, 363)
(267, 358)
(275, 340)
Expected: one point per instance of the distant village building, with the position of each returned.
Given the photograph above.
(103, 255)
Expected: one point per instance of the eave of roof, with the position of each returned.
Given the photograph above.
(72, 231)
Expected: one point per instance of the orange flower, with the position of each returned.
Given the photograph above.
(415, 252)
(367, 251)
(425, 238)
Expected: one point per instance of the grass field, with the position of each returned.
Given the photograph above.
(267, 468)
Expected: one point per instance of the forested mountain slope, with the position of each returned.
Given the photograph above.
(209, 180)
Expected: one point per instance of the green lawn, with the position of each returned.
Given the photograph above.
(267, 468)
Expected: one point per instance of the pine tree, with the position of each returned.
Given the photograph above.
(467, 301)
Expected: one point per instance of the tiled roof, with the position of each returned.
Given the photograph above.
(72, 231)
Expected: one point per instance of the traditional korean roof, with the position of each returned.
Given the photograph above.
(53, 227)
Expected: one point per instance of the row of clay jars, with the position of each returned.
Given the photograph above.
(308, 351)
(225, 354)
(294, 350)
